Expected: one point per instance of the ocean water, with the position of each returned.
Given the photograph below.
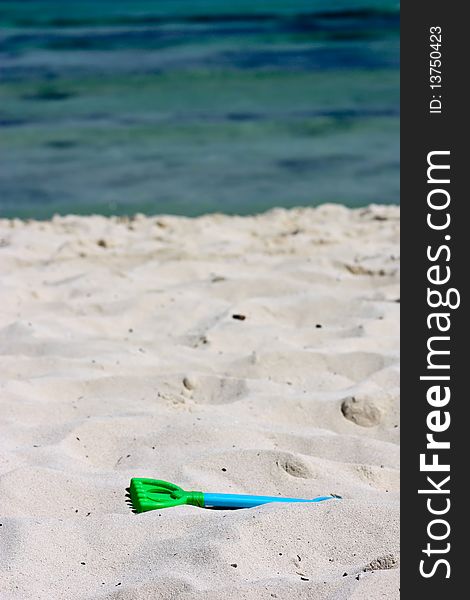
(188, 107)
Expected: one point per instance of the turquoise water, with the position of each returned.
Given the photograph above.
(188, 107)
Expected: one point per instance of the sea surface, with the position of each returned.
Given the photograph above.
(189, 107)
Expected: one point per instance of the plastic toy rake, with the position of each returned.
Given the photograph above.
(153, 494)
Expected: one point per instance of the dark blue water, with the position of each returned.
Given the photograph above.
(188, 107)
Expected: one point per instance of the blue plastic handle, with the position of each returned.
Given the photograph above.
(242, 501)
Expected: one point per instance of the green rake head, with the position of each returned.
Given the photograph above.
(151, 494)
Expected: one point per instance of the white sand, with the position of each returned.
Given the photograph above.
(103, 319)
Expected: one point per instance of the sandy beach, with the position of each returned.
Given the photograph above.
(225, 354)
